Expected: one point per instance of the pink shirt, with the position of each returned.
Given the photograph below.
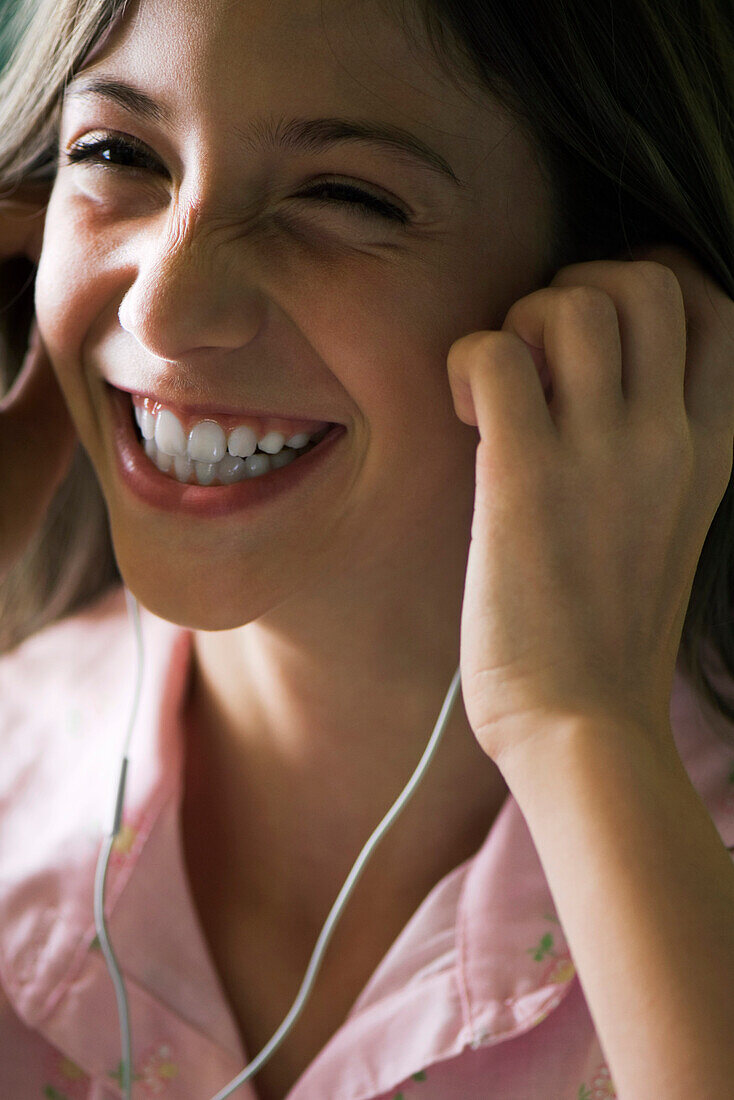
(476, 997)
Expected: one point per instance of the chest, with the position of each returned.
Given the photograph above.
(261, 961)
(259, 1007)
(261, 980)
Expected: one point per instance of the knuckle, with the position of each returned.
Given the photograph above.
(657, 278)
(575, 273)
(489, 344)
(505, 346)
(586, 305)
(533, 304)
(667, 444)
(466, 346)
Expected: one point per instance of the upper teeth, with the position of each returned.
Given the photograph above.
(207, 440)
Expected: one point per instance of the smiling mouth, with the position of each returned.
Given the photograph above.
(202, 460)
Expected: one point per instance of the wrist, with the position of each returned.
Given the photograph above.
(595, 743)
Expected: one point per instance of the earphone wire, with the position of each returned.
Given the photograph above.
(326, 932)
(100, 877)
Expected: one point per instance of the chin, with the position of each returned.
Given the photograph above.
(184, 597)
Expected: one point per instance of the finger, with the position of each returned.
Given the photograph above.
(495, 385)
(22, 217)
(35, 416)
(579, 331)
(651, 320)
(709, 372)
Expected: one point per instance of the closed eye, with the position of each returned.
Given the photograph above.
(361, 199)
(126, 151)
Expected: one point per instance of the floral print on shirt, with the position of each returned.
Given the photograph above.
(68, 1081)
(419, 1076)
(560, 969)
(125, 842)
(155, 1070)
(602, 1086)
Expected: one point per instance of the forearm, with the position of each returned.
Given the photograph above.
(644, 889)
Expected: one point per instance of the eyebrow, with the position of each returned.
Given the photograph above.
(304, 135)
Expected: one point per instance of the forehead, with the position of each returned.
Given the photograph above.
(248, 58)
(302, 42)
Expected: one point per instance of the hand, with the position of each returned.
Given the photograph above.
(591, 505)
(37, 435)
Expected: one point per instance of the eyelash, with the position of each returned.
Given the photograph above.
(363, 202)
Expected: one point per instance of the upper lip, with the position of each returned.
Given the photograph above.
(210, 409)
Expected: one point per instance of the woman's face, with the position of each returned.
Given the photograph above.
(206, 270)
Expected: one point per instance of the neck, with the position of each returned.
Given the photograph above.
(308, 722)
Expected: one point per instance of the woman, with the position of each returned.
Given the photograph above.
(199, 248)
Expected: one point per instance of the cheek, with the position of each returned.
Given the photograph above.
(70, 298)
(379, 330)
(69, 290)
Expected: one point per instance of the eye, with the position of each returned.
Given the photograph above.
(110, 150)
(360, 201)
(122, 153)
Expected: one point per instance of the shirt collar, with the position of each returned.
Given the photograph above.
(485, 944)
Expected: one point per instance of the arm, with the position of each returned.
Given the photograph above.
(644, 889)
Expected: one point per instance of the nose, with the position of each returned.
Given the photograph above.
(189, 293)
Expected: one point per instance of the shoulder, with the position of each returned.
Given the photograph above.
(43, 681)
(55, 655)
(67, 695)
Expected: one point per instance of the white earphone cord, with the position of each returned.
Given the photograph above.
(326, 932)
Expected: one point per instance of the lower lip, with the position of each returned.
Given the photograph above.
(157, 489)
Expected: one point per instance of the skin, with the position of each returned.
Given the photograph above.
(326, 633)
